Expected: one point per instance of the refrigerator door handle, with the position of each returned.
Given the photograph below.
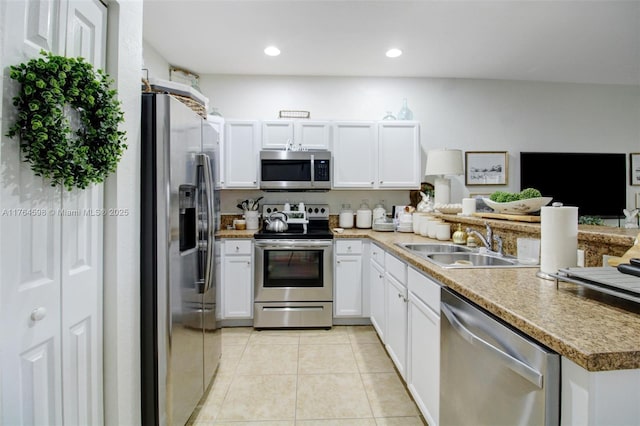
(517, 366)
(205, 162)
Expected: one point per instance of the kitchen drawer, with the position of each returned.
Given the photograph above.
(377, 254)
(425, 289)
(396, 267)
(233, 246)
(348, 246)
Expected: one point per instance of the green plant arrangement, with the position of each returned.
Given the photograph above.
(590, 220)
(52, 87)
(506, 197)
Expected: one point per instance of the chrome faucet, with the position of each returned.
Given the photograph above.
(487, 241)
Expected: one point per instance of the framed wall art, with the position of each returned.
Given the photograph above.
(486, 167)
(634, 168)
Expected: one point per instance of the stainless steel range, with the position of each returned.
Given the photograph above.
(293, 270)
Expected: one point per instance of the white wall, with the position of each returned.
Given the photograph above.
(122, 246)
(472, 115)
(154, 62)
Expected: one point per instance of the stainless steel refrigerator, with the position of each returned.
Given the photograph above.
(180, 345)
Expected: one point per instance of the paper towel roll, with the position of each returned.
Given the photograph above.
(468, 206)
(558, 239)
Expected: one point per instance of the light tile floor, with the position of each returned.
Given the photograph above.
(337, 377)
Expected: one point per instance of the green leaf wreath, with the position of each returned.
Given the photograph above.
(49, 85)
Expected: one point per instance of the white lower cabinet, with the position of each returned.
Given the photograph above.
(396, 339)
(590, 398)
(423, 349)
(377, 291)
(348, 291)
(237, 279)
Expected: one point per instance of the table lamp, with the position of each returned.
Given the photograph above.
(440, 163)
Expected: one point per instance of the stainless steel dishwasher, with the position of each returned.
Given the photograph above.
(491, 374)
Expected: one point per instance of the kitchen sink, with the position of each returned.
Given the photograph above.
(471, 260)
(454, 256)
(434, 248)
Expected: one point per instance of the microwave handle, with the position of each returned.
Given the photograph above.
(313, 170)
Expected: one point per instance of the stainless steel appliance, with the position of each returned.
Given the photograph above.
(293, 271)
(180, 346)
(490, 374)
(295, 170)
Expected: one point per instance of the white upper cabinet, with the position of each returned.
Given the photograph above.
(212, 141)
(399, 155)
(276, 133)
(354, 154)
(376, 155)
(304, 133)
(241, 149)
(313, 134)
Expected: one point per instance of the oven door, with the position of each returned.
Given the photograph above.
(293, 270)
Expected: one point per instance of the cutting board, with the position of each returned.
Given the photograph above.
(516, 217)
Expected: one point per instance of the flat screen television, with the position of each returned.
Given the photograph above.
(594, 182)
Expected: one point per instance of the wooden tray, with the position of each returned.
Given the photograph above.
(504, 216)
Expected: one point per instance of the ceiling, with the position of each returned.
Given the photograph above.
(563, 41)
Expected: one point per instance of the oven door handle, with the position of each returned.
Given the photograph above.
(292, 244)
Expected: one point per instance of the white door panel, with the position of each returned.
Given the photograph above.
(87, 31)
(81, 305)
(50, 245)
(33, 25)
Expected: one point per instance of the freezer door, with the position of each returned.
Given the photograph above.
(178, 188)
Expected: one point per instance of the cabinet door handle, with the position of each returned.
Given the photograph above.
(38, 313)
(372, 182)
(337, 261)
(381, 182)
(380, 276)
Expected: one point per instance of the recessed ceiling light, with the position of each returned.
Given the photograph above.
(272, 51)
(393, 53)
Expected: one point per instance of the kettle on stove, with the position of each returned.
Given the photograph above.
(276, 222)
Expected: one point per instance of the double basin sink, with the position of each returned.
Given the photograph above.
(455, 256)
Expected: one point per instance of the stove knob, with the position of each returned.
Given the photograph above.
(316, 210)
(268, 209)
(322, 210)
(310, 210)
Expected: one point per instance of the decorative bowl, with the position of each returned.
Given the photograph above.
(448, 208)
(529, 205)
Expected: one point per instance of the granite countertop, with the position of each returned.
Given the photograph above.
(595, 331)
(232, 233)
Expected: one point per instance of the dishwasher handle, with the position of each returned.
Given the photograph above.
(517, 366)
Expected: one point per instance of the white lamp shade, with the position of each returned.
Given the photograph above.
(441, 162)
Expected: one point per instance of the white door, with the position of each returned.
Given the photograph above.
(276, 134)
(237, 290)
(348, 286)
(378, 297)
(396, 340)
(313, 134)
(399, 155)
(354, 154)
(39, 261)
(241, 147)
(82, 250)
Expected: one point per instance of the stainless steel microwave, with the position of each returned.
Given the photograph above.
(295, 170)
